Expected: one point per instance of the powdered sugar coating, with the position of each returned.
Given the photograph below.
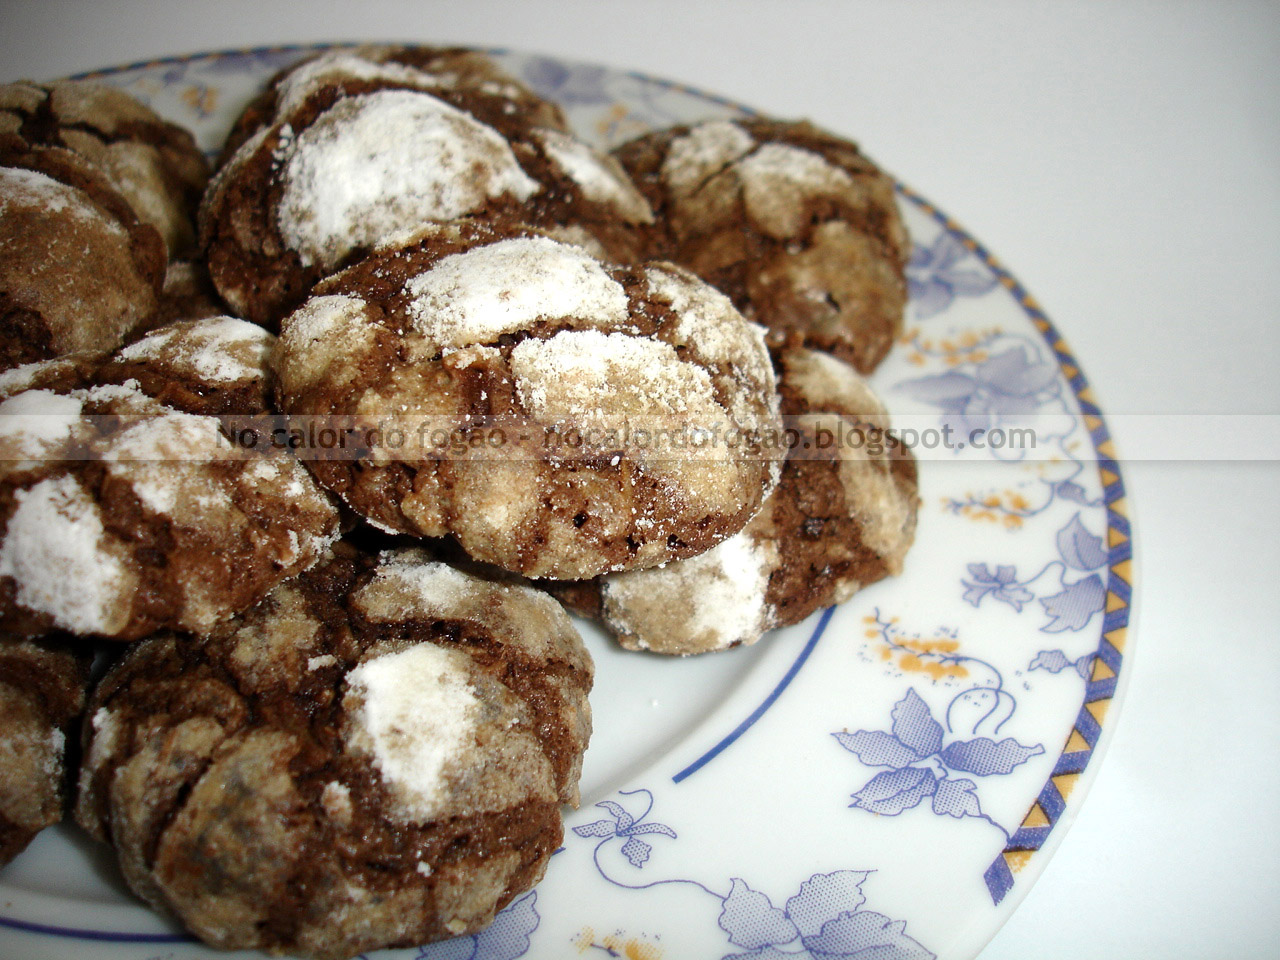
(123, 513)
(835, 524)
(35, 423)
(703, 152)
(709, 321)
(709, 602)
(482, 293)
(776, 180)
(379, 162)
(313, 74)
(591, 377)
(54, 551)
(29, 188)
(500, 333)
(601, 177)
(219, 349)
(416, 715)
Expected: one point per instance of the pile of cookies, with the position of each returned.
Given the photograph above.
(345, 702)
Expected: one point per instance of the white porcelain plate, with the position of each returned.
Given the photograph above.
(882, 781)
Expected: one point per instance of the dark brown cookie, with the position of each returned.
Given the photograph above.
(43, 686)
(546, 366)
(373, 756)
(353, 147)
(124, 509)
(793, 223)
(843, 516)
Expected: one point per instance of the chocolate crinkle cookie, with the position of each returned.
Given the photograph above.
(78, 269)
(43, 686)
(533, 402)
(356, 145)
(373, 756)
(124, 509)
(843, 516)
(793, 223)
(155, 165)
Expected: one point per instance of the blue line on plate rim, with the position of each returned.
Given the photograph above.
(100, 935)
(768, 702)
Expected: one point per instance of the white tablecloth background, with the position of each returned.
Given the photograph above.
(1123, 160)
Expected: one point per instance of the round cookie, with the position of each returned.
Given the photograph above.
(43, 686)
(124, 510)
(373, 756)
(355, 146)
(566, 386)
(451, 68)
(793, 223)
(843, 516)
(78, 270)
(155, 165)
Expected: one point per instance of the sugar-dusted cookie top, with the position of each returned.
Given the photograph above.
(78, 270)
(154, 164)
(597, 417)
(795, 224)
(388, 734)
(349, 149)
(843, 516)
(124, 509)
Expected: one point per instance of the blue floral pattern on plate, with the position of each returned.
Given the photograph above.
(871, 784)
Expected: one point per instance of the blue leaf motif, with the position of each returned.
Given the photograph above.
(508, 936)
(982, 574)
(933, 281)
(601, 828)
(636, 851)
(914, 727)
(895, 791)
(970, 283)
(765, 953)
(1012, 374)
(950, 391)
(1079, 548)
(505, 939)
(752, 921)
(1084, 666)
(624, 819)
(1072, 491)
(865, 935)
(876, 748)
(1015, 596)
(564, 83)
(826, 895)
(1072, 608)
(957, 798)
(975, 592)
(986, 757)
(1055, 661)
(928, 299)
(661, 828)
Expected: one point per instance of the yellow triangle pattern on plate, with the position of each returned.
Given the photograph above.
(1124, 570)
(1076, 743)
(1115, 637)
(1065, 782)
(1017, 859)
(1036, 817)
